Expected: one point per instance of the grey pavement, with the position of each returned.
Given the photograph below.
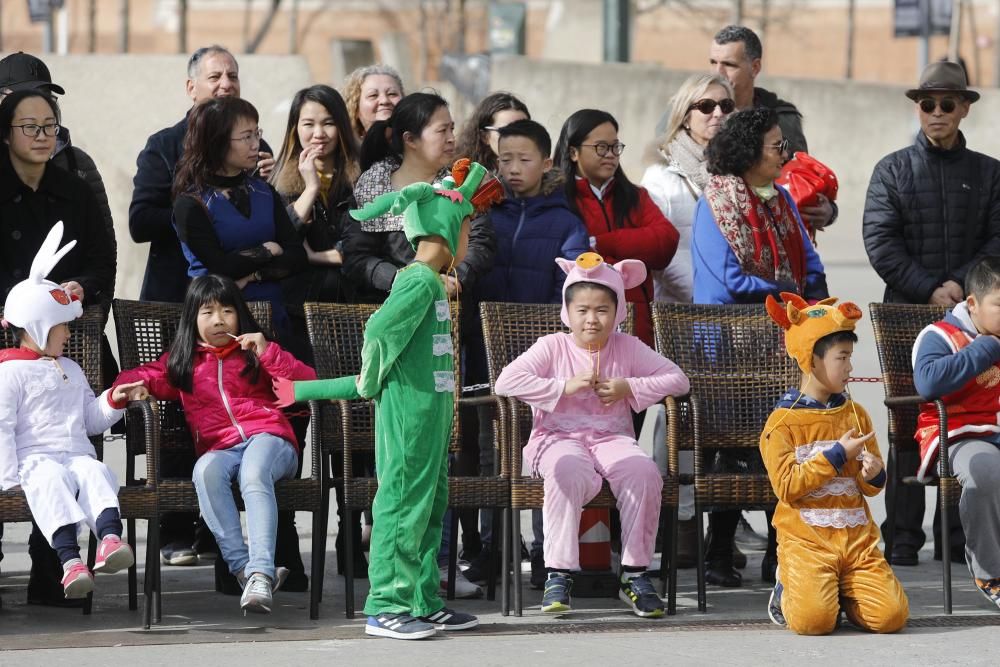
(198, 622)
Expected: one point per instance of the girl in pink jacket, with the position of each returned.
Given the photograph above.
(582, 387)
(220, 367)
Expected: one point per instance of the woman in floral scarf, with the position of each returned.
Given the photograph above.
(748, 242)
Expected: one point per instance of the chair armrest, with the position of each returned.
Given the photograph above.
(903, 401)
(673, 413)
(147, 415)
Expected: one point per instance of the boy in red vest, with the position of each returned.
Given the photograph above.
(958, 360)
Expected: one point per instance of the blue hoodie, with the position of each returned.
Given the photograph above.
(531, 232)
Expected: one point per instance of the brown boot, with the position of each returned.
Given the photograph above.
(687, 544)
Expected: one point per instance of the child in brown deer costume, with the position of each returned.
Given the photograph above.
(822, 460)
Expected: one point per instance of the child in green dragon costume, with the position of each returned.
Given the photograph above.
(408, 368)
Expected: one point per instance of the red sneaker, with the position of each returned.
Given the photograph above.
(77, 581)
(113, 555)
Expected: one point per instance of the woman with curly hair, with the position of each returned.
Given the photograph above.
(748, 242)
(481, 132)
(371, 93)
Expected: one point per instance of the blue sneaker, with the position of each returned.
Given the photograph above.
(638, 592)
(398, 626)
(449, 619)
(774, 604)
(555, 599)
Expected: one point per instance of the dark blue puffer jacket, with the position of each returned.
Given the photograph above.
(530, 234)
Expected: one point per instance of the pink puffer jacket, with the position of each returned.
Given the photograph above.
(225, 408)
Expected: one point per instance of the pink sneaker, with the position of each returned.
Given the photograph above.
(77, 581)
(113, 555)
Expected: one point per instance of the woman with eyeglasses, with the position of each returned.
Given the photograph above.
(679, 175)
(748, 241)
(35, 194)
(229, 221)
(621, 218)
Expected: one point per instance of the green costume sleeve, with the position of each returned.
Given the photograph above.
(317, 390)
(390, 329)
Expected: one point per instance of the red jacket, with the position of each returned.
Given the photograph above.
(646, 235)
(224, 407)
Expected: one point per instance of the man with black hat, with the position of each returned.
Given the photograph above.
(932, 211)
(23, 71)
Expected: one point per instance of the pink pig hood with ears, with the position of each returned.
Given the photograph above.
(36, 304)
(591, 268)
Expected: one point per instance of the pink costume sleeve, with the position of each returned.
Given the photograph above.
(660, 376)
(528, 378)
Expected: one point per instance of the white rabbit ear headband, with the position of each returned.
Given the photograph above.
(36, 304)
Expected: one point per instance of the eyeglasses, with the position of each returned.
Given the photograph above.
(33, 130)
(707, 106)
(928, 104)
(250, 139)
(602, 148)
(781, 146)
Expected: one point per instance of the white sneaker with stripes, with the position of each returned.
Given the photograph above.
(398, 626)
(449, 619)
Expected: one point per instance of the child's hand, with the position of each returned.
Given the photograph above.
(610, 391)
(130, 391)
(582, 380)
(853, 443)
(284, 390)
(255, 342)
(871, 466)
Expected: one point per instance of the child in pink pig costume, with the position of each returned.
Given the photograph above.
(582, 387)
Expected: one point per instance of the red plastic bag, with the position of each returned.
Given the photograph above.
(805, 177)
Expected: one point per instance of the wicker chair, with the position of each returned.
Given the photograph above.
(336, 332)
(145, 330)
(510, 329)
(137, 502)
(735, 359)
(896, 327)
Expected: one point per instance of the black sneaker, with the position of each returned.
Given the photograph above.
(774, 604)
(638, 593)
(478, 570)
(178, 553)
(449, 619)
(398, 626)
(555, 599)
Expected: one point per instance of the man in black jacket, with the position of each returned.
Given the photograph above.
(932, 211)
(212, 72)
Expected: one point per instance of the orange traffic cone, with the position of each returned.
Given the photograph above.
(595, 539)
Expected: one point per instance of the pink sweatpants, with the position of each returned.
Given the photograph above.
(573, 470)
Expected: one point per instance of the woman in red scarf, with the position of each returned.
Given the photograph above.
(748, 241)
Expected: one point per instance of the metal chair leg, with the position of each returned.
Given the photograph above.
(700, 520)
(318, 561)
(674, 538)
(945, 548)
(88, 604)
(892, 482)
(491, 557)
(515, 558)
(506, 561)
(452, 554)
(133, 583)
(349, 518)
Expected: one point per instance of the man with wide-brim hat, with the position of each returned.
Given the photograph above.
(932, 211)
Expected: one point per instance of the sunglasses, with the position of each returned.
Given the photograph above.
(928, 104)
(707, 106)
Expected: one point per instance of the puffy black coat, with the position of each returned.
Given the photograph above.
(929, 216)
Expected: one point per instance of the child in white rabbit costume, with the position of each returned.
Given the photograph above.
(47, 412)
(582, 387)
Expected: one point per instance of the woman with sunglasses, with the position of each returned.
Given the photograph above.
(679, 175)
(621, 219)
(748, 241)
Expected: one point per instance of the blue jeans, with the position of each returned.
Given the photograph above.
(258, 462)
